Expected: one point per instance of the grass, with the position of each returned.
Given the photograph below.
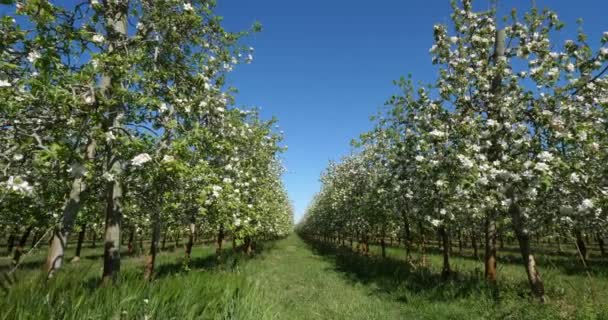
(294, 279)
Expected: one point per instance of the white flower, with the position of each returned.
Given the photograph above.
(570, 67)
(94, 2)
(109, 176)
(146, 301)
(5, 84)
(188, 7)
(163, 107)
(140, 159)
(585, 205)
(575, 178)
(453, 39)
(237, 222)
(17, 157)
(110, 136)
(419, 158)
(33, 56)
(250, 206)
(545, 156)
(167, 158)
(89, 99)
(139, 26)
(541, 166)
(98, 38)
(435, 222)
(466, 162)
(440, 183)
(437, 133)
(18, 184)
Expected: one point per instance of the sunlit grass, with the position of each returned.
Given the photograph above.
(293, 279)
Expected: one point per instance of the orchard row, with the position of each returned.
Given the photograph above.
(511, 137)
(116, 116)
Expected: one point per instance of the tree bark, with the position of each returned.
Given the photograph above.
(151, 258)
(219, 242)
(490, 250)
(130, 244)
(115, 16)
(446, 271)
(191, 239)
(10, 242)
(79, 243)
(523, 237)
(70, 210)
(601, 243)
(21, 245)
(474, 244)
(247, 245)
(581, 245)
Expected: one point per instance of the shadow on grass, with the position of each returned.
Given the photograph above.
(401, 279)
(229, 260)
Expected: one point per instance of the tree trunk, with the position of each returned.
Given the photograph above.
(130, 243)
(21, 245)
(191, 240)
(247, 245)
(94, 240)
(581, 246)
(490, 250)
(10, 242)
(559, 244)
(219, 242)
(79, 243)
(163, 243)
(111, 251)
(422, 245)
(459, 242)
(116, 27)
(474, 244)
(70, 210)
(523, 237)
(151, 258)
(601, 244)
(446, 271)
(383, 246)
(35, 238)
(494, 154)
(408, 240)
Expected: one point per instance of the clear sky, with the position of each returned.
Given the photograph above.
(323, 67)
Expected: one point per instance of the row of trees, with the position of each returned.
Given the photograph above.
(511, 136)
(121, 107)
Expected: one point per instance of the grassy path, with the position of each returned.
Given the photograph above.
(303, 285)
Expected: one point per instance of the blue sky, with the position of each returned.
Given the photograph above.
(323, 67)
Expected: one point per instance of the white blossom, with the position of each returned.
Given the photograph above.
(140, 159)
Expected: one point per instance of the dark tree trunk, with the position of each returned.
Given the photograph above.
(247, 245)
(474, 245)
(151, 258)
(446, 271)
(219, 242)
(10, 242)
(581, 245)
(459, 242)
(163, 243)
(79, 243)
(490, 250)
(21, 245)
(601, 244)
(130, 244)
(191, 240)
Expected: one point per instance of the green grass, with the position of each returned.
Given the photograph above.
(293, 279)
